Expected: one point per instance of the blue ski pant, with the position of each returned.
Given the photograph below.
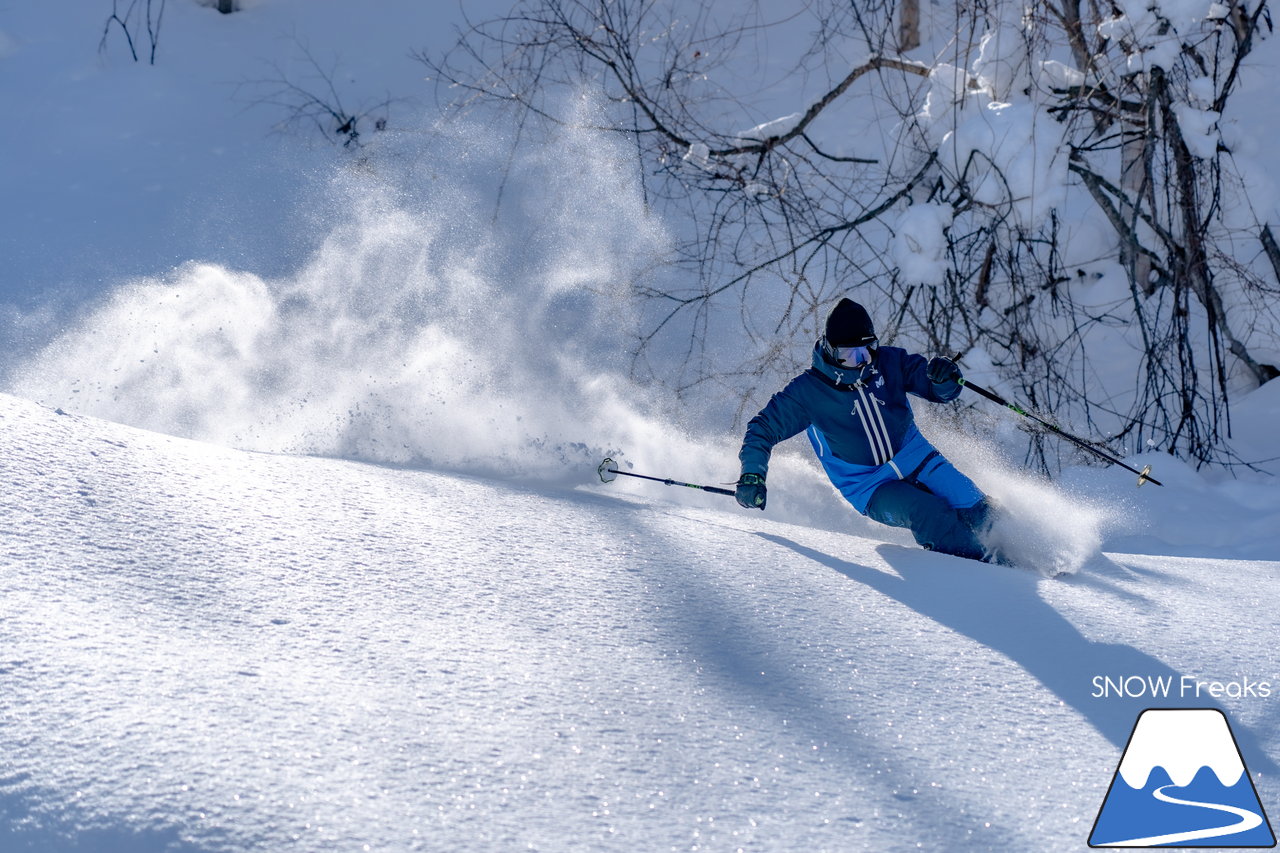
(918, 489)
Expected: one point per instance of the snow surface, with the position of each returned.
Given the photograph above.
(345, 579)
(211, 649)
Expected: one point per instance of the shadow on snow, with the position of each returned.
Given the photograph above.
(1001, 609)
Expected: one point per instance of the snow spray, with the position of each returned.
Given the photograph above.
(1041, 525)
(424, 329)
(431, 328)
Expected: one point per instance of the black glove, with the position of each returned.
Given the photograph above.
(751, 491)
(943, 370)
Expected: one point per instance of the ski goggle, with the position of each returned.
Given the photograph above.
(854, 356)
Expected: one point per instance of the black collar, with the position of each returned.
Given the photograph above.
(839, 386)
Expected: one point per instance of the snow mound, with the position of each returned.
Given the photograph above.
(218, 650)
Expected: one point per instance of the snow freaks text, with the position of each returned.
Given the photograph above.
(1182, 687)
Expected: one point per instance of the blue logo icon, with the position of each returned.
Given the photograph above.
(1182, 782)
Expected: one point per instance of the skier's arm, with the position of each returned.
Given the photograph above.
(782, 417)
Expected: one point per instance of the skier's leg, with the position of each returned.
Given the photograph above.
(979, 516)
(943, 479)
(946, 523)
(975, 510)
(935, 524)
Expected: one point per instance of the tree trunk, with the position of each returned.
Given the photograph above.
(908, 25)
(1135, 181)
(1194, 255)
(1069, 13)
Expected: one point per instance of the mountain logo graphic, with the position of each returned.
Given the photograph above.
(1182, 782)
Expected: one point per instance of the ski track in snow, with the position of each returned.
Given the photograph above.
(207, 649)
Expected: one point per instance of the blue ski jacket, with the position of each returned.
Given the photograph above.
(863, 416)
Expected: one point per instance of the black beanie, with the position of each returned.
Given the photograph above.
(849, 325)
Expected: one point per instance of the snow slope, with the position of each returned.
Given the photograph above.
(449, 637)
(211, 649)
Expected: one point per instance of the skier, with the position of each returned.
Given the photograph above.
(853, 405)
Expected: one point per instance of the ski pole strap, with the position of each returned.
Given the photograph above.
(1143, 476)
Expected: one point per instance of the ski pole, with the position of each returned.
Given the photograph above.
(607, 467)
(1144, 476)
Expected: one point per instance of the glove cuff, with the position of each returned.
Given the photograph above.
(751, 480)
